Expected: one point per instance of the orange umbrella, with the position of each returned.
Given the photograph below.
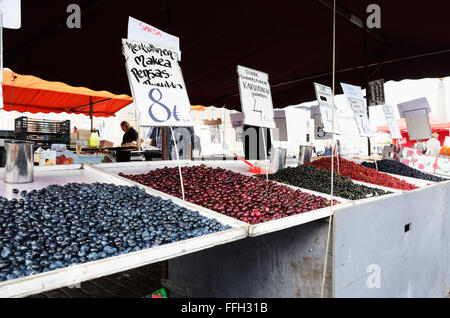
(26, 93)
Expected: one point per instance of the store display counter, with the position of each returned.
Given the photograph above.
(379, 247)
(45, 176)
(236, 166)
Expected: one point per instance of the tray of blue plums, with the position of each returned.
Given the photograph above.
(84, 230)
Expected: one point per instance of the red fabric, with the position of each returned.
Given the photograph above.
(437, 126)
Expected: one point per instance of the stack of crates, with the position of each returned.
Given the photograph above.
(43, 133)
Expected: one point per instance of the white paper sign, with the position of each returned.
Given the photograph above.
(11, 14)
(418, 127)
(407, 109)
(355, 100)
(157, 84)
(319, 132)
(415, 113)
(143, 32)
(375, 93)
(391, 121)
(256, 98)
(324, 96)
(351, 91)
(360, 116)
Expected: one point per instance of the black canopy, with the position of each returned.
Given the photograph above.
(289, 39)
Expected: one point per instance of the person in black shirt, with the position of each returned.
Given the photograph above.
(131, 136)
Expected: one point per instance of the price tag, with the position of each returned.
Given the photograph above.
(11, 14)
(391, 121)
(140, 31)
(157, 84)
(408, 109)
(256, 98)
(355, 101)
(415, 113)
(319, 129)
(324, 96)
(375, 93)
(360, 116)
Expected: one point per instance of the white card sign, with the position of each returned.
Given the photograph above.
(11, 14)
(157, 84)
(355, 101)
(407, 109)
(415, 113)
(143, 32)
(256, 98)
(375, 93)
(360, 116)
(391, 121)
(319, 131)
(324, 96)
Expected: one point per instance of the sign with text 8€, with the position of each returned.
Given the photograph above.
(157, 85)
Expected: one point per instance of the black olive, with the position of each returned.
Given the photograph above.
(396, 167)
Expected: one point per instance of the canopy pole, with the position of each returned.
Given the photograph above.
(91, 113)
(330, 220)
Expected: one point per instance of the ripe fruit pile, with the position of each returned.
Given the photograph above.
(395, 167)
(246, 198)
(311, 178)
(360, 173)
(63, 225)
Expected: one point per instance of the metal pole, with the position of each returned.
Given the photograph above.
(366, 83)
(91, 113)
(1, 58)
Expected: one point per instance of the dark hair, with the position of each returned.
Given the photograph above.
(125, 124)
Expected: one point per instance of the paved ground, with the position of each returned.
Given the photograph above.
(135, 283)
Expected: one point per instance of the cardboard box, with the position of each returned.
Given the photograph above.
(106, 143)
(69, 157)
(48, 158)
(84, 134)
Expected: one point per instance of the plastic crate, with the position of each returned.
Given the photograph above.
(43, 133)
(37, 126)
(6, 134)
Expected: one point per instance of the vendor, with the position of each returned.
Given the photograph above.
(131, 135)
(433, 145)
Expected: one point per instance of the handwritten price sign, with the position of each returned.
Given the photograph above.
(256, 98)
(157, 84)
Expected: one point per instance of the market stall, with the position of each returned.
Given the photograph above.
(295, 245)
(26, 93)
(87, 221)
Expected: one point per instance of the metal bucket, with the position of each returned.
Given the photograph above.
(19, 161)
(277, 158)
(305, 154)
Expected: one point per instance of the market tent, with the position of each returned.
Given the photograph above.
(26, 93)
(289, 40)
(438, 126)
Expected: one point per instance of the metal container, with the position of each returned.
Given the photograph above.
(19, 161)
(305, 154)
(277, 158)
